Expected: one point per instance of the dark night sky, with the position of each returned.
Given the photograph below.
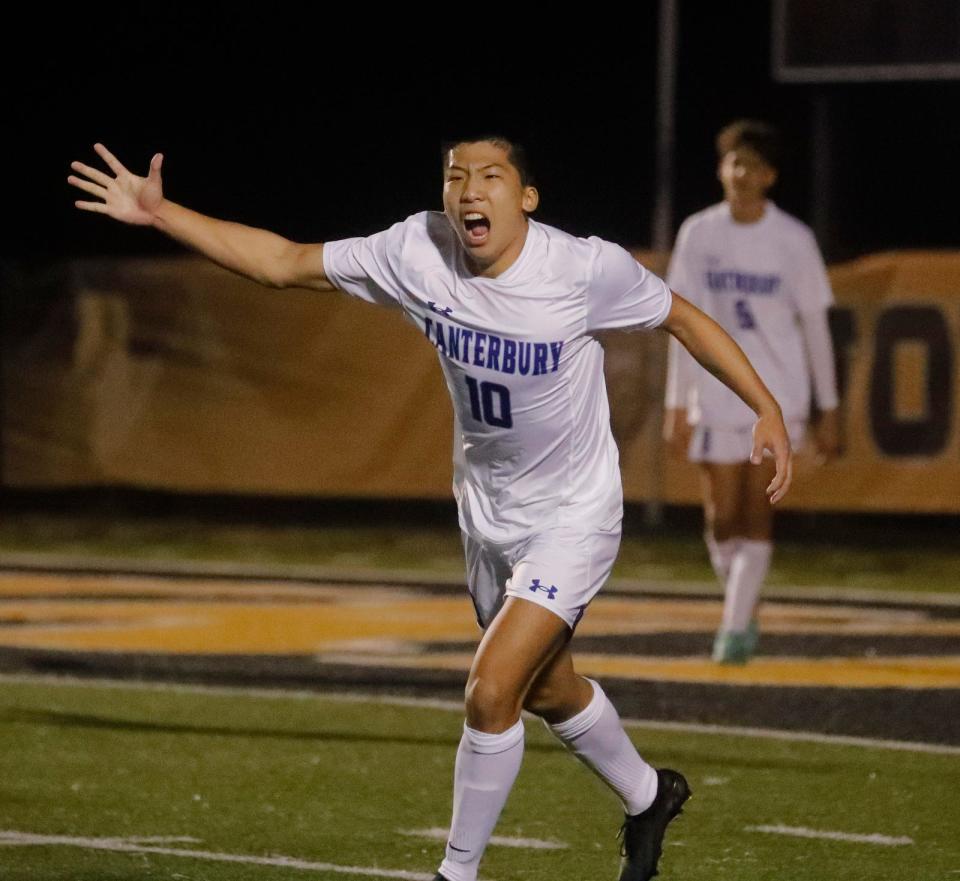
(321, 129)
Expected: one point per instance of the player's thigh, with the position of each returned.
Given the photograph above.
(757, 512)
(518, 644)
(554, 576)
(722, 486)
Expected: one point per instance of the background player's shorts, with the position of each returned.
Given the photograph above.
(561, 569)
(725, 446)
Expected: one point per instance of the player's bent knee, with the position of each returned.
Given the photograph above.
(491, 706)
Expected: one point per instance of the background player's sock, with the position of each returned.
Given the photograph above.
(721, 555)
(596, 737)
(747, 573)
(487, 765)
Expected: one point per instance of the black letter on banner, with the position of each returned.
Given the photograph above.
(843, 331)
(916, 437)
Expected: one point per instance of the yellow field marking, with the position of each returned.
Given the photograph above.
(352, 616)
(205, 616)
(640, 614)
(217, 628)
(215, 617)
(899, 672)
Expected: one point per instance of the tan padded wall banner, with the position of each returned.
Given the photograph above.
(897, 326)
(179, 375)
(172, 373)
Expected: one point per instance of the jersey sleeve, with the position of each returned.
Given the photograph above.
(622, 293)
(681, 368)
(680, 270)
(819, 349)
(369, 267)
(811, 290)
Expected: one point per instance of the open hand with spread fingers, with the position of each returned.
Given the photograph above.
(125, 197)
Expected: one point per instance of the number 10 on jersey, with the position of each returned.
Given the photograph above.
(490, 403)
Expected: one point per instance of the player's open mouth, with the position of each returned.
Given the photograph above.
(477, 228)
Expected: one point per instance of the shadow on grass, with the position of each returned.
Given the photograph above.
(52, 718)
(75, 720)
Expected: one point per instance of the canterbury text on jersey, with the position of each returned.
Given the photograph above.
(532, 441)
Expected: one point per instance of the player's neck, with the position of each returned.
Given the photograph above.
(747, 210)
(500, 263)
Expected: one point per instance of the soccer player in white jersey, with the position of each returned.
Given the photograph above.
(511, 307)
(759, 273)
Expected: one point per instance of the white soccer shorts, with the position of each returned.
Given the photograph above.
(726, 446)
(561, 569)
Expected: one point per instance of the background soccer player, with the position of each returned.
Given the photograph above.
(511, 307)
(759, 273)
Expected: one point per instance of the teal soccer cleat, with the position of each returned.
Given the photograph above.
(736, 646)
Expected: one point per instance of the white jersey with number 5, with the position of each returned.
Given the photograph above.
(532, 441)
(754, 279)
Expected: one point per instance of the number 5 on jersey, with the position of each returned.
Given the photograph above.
(490, 403)
(745, 319)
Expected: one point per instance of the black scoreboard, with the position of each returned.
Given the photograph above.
(865, 40)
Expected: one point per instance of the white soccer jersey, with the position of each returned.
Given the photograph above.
(532, 441)
(754, 279)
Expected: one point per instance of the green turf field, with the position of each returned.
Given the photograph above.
(882, 562)
(332, 782)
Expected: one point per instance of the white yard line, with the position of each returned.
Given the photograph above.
(802, 832)
(123, 845)
(457, 707)
(436, 833)
(936, 749)
(162, 839)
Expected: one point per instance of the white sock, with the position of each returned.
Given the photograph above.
(721, 555)
(596, 737)
(747, 573)
(487, 765)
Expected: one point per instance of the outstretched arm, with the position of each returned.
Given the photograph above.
(258, 254)
(716, 351)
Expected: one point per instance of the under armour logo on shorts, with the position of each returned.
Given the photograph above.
(551, 591)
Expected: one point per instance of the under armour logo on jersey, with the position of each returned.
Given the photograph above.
(444, 311)
(551, 591)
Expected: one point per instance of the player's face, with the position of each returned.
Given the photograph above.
(745, 176)
(485, 203)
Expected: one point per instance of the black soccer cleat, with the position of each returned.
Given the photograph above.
(439, 877)
(643, 833)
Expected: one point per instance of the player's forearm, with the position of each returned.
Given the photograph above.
(255, 253)
(679, 380)
(715, 350)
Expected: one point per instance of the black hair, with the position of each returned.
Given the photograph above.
(761, 137)
(516, 153)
